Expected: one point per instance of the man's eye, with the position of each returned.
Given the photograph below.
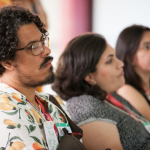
(34, 46)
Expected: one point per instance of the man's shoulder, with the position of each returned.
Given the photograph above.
(47, 96)
(42, 95)
(53, 107)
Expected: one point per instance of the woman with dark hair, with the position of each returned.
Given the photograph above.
(133, 48)
(87, 71)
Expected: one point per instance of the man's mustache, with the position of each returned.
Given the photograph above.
(45, 61)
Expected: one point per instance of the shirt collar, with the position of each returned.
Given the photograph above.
(12, 91)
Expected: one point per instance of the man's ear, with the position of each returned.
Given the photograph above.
(90, 79)
(7, 64)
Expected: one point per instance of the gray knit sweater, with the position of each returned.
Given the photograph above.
(86, 108)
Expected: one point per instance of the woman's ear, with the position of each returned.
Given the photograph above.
(90, 79)
(7, 64)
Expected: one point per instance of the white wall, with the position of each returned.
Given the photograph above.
(110, 17)
(52, 9)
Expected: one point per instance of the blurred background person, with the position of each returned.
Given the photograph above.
(87, 71)
(36, 7)
(133, 48)
(5, 2)
(33, 5)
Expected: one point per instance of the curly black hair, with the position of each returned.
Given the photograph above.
(11, 19)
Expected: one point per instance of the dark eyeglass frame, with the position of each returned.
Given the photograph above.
(30, 47)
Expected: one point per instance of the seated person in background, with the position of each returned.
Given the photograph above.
(133, 48)
(33, 5)
(25, 64)
(36, 7)
(87, 71)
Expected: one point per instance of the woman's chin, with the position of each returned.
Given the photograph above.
(121, 83)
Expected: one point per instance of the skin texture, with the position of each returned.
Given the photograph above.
(23, 61)
(109, 72)
(141, 64)
(136, 99)
(142, 57)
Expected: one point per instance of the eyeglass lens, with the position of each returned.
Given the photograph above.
(37, 47)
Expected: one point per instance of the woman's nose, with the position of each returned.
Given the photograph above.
(120, 64)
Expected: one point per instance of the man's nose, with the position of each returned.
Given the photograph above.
(46, 52)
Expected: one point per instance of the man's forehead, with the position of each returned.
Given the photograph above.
(28, 33)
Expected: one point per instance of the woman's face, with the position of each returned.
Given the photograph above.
(109, 75)
(141, 61)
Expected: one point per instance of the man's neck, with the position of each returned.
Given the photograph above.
(29, 92)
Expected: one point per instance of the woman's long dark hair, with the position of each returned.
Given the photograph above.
(79, 58)
(126, 47)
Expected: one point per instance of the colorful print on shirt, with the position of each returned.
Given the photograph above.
(21, 126)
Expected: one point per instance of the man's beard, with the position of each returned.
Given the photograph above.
(50, 79)
(29, 81)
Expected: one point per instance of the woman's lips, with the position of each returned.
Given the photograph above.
(121, 74)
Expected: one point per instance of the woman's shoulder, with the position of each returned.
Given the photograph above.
(130, 93)
(127, 88)
(136, 99)
(83, 99)
(83, 103)
(84, 107)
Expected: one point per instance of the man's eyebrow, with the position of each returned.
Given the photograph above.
(34, 41)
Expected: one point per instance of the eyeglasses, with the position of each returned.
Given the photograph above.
(37, 47)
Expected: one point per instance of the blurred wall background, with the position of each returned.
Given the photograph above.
(68, 18)
(110, 17)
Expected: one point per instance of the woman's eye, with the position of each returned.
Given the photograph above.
(146, 47)
(109, 61)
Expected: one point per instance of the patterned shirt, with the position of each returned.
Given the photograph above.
(21, 125)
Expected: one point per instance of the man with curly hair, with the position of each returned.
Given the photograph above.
(25, 64)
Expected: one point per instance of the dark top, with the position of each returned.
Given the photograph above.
(86, 108)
